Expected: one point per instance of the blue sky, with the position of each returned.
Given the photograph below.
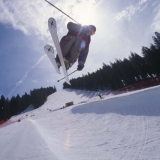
(122, 27)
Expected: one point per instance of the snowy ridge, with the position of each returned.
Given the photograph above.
(30, 108)
(122, 127)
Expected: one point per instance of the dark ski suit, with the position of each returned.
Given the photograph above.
(75, 45)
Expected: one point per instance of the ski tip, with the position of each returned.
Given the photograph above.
(48, 48)
(51, 19)
(52, 23)
(68, 82)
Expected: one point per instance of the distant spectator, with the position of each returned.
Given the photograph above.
(100, 96)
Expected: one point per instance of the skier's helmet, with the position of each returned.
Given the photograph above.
(92, 29)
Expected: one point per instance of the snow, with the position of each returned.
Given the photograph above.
(119, 127)
(30, 108)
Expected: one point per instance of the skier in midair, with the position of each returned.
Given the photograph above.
(75, 45)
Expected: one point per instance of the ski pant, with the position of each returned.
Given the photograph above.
(71, 47)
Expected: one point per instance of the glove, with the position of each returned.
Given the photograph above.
(80, 67)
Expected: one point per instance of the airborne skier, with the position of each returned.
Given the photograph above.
(75, 45)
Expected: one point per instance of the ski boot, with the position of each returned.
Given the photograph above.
(67, 63)
(58, 62)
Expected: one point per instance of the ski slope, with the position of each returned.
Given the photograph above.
(122, 127)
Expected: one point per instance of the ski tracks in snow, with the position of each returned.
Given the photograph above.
(129, 146)
(134, 149)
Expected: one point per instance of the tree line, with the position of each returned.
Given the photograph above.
(18, 104)
(124, 72)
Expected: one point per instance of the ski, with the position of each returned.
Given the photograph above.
(50, 53)
(53, 30)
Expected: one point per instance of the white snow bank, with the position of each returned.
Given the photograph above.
(22, 141)
(138, 103)
(123, 127)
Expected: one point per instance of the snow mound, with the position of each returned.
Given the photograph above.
(138, 103)
(123, 127)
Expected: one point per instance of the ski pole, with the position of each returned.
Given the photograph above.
(68, 75)
(61, 11)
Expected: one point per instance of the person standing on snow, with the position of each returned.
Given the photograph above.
(75, 45)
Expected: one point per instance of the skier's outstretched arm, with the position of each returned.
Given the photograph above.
(82, 59)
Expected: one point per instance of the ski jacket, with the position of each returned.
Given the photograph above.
(80, 32)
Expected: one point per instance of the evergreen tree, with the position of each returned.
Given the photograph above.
(139, 66)
(123, 73)
(2, 107)
(156, 40)
(8, 113)
(18, 104)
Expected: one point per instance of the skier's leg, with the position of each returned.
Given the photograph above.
(74, 51)
(66, 43)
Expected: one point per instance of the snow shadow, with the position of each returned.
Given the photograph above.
(144, 103)
(88, 94)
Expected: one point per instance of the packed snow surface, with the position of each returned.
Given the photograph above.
(118, 127)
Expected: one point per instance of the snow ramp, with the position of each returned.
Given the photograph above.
(119, 127)
(123, 127)
(23, 141)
